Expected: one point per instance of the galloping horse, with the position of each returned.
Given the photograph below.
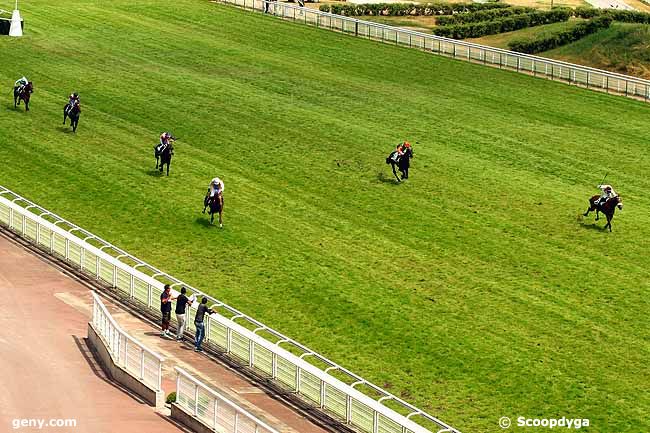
(608, 208)
(215, 204)
(73, 113)
(163, 154)
(402, 162)
(23, 94)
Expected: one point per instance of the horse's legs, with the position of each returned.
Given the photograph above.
(392, 164)
(221, 218)
(26, 105)
(168, 164)
(597, 214)
(157, 159)
(587, 213)
(609, 222)
(74, 125)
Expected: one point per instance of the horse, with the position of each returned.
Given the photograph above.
(608, 208)
(402, 162)
(215, 204)
(163, 154)
(73, 113)
(23, 93)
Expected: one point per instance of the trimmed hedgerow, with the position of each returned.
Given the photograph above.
(614, 14)
(502, 25)
(485, 15)
(402, 9)
(538, 45)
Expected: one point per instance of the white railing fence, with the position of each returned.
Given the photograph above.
(591, 78)
(213, 409)
(314, 378)
(126, 351)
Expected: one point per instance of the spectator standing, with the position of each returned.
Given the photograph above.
(198, 323)
(166, 309)
(181, 303)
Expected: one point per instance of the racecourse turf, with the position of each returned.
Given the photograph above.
(475, 290)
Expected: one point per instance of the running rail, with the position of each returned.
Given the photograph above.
(214, 409)
(591, 78)
(126, 351)
(144, 283)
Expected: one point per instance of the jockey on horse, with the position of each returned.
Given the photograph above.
(166, 138)
(606, 203)
(20, 84)
(73, 99)
(215, 192)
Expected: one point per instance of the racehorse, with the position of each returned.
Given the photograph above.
(402, 162)
(73, 113)
(215, 204)
(23, 94)
(608, 208)
(163, 154)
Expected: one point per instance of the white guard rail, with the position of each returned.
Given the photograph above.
(213, 409)
(591, 78)
(232, 331)
(126, 351)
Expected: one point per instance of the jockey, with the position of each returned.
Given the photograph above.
(397, 153)
(215, 187)
(607, 193)
(73, 98)
(166, 137)
(21, 83)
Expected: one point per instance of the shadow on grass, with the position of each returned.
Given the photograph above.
(590, 224)
(381, 177)
(155, 173)
(66, 129)
(205, 221)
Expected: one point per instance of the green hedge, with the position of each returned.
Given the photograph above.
(614, 14)
(532, 45)
(402, 9)
(485, 15)
(502, 25)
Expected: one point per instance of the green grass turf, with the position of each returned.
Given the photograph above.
(474, 290)
(621, 48)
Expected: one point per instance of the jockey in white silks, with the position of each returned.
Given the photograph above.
(215, 189)
(607, 193)
(21, 82)
(216, 186)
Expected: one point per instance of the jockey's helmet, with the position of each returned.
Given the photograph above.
(608, 189)
(407, 144)
(75, 95)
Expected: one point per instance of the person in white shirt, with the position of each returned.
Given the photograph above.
(607, 193)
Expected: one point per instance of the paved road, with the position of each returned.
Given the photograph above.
(47, 372)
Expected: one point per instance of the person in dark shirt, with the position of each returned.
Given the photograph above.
(166, 309)
(181, 303)
(198, 323)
